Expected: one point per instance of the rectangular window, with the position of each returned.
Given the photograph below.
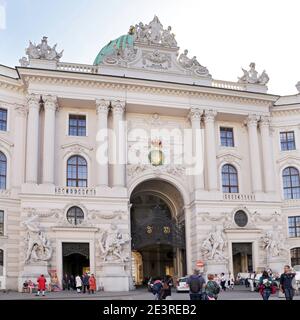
(1, 223)
(287, 141)
(77, 125)
(294, 226)
(226, 135)
(3, 119)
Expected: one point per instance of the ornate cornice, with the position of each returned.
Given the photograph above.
(153, 89)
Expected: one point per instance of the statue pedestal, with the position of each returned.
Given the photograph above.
(113, 277)
(216, 266)
(32, 271)
(276, 264)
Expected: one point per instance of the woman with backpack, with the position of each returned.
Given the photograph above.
(266, 286)
(212, 289)
(166, 287)
(157, 289)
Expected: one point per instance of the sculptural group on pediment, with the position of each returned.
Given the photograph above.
(192, 64)
(251, 76)
(154, 33)
(43, 51)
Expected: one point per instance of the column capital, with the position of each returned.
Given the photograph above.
(50, 102)
(118, 107)
(265, 121)
(33, 100)
(252, 120)
(102, 106)
(21, 110)
(195, 114)
(209, 115)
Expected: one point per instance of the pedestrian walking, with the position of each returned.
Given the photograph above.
(85, 283)
(223, 281)
(231, 282)
(157, 289)
(166, 287)
(266, 285)
(78, 283)
(212, 288)
(196, 282)
(286, 283)
(72, 282)
(92, 284)
(41, 285)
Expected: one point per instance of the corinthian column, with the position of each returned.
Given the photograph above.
(254, 153)
(210, 149)
(50, 106)
(119, 148)
(197, 147)
(19, 146)
(102, 145)
(32, 144)
(267, 154)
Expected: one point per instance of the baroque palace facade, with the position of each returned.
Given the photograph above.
(92, 176)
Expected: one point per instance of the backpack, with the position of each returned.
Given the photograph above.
(156, 288)
(195, 285)
(216, 288)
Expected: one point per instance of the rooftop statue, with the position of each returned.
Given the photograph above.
(298, 86)
(43, 51)
(251, 76)
(192, 64)
(154, 33)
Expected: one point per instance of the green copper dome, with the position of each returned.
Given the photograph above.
(118, 44)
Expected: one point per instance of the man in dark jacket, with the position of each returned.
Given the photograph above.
(86, 282)
(286, 285)
(196, 283)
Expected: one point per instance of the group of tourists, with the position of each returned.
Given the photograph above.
(267, 286)
(84, 283)
(199, 289)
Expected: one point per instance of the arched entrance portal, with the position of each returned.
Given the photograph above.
(157, 231)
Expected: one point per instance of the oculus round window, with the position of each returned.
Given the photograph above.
(75, 216)
(241, 218)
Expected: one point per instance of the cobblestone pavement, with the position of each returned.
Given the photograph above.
(239, 293)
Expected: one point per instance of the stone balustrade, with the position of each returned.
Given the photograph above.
(76, 67)
(228, 85)
(75, 191)
(238, 197)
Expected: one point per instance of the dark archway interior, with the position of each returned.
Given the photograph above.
(75, 258)
(158, 235)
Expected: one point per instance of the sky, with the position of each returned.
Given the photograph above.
(225, 35)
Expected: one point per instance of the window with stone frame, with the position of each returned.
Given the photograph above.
(226, 136)
(1, 262)
(1, 222)
(77, 174)
(287, 140)
(294, 226)
(229, 179)
(75, 216)
(291, 183)
(295, 257)
(77, 125)
(3, 119)
(3, 169)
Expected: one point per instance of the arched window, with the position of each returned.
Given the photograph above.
(295, 257)
(1, 262)
(291, 183)
(75, 216)
(3, 167)
(76, 172)
(229, 179)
